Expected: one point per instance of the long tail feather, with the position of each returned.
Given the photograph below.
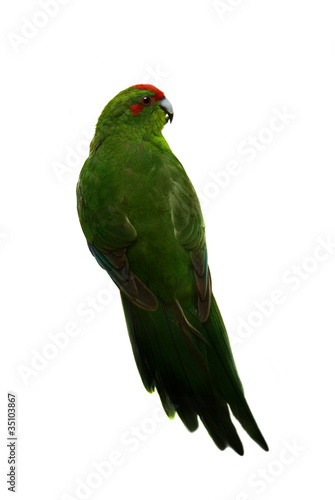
(191, 365)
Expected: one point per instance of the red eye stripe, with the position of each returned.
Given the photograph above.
(136, 109)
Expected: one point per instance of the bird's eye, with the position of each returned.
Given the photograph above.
(146, 100)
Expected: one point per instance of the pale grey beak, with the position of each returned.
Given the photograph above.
(167, 107)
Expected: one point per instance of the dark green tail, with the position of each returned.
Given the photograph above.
(193, 372)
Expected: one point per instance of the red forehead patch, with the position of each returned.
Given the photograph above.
(150, 88)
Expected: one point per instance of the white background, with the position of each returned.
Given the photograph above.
(227, 71)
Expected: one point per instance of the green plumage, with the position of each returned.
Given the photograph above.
(143, 223)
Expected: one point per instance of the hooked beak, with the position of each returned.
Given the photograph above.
(167, 107)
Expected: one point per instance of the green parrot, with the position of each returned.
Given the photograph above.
(143, 224)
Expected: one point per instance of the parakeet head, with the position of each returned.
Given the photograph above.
(143, 106)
